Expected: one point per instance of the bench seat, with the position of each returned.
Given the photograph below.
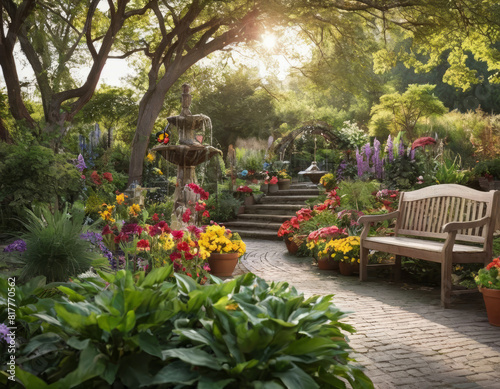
(448, 224)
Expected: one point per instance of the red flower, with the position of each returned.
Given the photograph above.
(155, 217)
(175, 255)
(206, 214)
(108, 177)
(186, 216)
(121, 238)
(106, 230)
(183, 246)
(188, 256)
(424, 141)
(143, 245)
(163, 226)
(95, 178)
(177, 234)
(199, 207)
(154, 230)
(244, 189)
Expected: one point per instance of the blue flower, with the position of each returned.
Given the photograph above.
(244, 173)
(18, 245)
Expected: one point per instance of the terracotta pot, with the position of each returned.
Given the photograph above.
(249, 200)
(348, 269)
(223, 264)
(273, 188)
(284, 183)
(291, 246)
(327, 263)
(492, 301)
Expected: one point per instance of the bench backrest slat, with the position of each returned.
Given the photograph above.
(425, 211)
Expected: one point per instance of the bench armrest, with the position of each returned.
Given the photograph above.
(455, 226)
(377, 218)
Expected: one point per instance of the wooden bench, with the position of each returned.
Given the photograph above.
(429, 222)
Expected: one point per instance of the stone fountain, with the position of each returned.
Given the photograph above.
(313, 172)
(186, 155)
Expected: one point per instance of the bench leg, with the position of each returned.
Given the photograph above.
(446, 285)
(397, 268)
(363, 262)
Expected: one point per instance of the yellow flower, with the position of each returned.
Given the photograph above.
(150, 157)
(232, 307)
(120, 199)
(134, 210)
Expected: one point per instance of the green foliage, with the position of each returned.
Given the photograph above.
(402, 173)
(223, 207)
(148, 331)
(352, 136)
(357, 194)
(33, 173)
(422, 271)
(322, 219)
(491, 167)
(450, 172)
(406, 109)
(489, 277)
(163, 209)
(54, 247)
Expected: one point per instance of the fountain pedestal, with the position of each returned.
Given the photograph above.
(188, 154)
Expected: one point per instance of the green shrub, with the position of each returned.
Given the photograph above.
(223, 207)
(34, 174)
(358, 195)
(148, 331)
(54, 247)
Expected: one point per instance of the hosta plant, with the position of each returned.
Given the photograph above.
(146, 331)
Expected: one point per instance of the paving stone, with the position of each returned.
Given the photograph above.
(404, 338)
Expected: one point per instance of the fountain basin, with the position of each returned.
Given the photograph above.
(313, 173)
(187, 155)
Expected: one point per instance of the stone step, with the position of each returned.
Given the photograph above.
(270, 218)
(258, 234)
(273, 209)
(301, 199)
(295, 192)
(250, 225)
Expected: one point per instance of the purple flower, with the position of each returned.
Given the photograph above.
(390, 149)
(81, 163)
(412, 155)
(4, 331)
(401, 148)
(341, 169)
(18, 245)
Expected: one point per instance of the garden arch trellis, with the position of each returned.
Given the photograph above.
(310, 128)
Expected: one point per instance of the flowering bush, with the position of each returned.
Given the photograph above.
(244, 189)
(317, 240)
(389, 199)
(218, 239)
(489, 277)
(328, 181)
(343, 250)
(273, 180)
(282, 174)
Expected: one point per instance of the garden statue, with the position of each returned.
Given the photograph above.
(189, 153)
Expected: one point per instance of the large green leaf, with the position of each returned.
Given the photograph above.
(91, 364)
(156, 276)
(73, 296)
(149, 344)
(193, 356)
(296, 378)
(29, 380)
(177, 372)
(108, 322)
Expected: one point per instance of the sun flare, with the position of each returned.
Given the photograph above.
(268, 41)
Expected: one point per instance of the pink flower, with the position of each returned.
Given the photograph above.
(423, 141)
(274, 180)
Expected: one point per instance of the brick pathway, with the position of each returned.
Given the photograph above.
(404, 338)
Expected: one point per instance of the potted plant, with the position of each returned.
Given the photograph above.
(346, 252)
(245, 192)
(273, 184)
(317, 241)
(221, 248)
(488, 282)
(284, 180)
